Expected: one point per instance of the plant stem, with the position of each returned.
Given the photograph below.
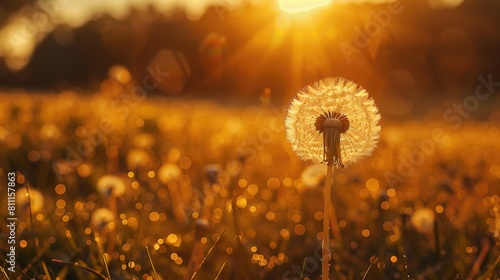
(326, 221)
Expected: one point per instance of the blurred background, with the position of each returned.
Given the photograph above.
(420, 52)
(159, 125)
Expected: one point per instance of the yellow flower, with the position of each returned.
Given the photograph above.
(333, 121)
(111, 185)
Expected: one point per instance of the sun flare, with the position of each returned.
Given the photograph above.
(299, 6)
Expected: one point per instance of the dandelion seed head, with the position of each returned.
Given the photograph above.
(333, 103)
(111, 185)
(103, 218)
(169, 172)
(422, 220)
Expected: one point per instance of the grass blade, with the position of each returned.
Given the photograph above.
(4, 274)
(303, 267)
(208, 253)
(371, 263)
(490, 271)
(220, 270)
(45, 270)
(480, 259)
(152, 265)
(104, 260)
(76, 264)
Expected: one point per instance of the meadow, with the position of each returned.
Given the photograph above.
(122, 187)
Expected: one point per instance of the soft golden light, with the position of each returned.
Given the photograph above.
(300, 6)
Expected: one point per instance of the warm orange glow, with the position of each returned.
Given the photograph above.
(299, 6)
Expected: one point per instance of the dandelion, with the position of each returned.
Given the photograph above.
(111, 185)
(422, 220)
(103, 221)
(25, 199)
(332, 121)
(103, 218)
(169, 172)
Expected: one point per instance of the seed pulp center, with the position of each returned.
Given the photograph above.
(332, 125)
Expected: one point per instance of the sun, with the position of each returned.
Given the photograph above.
(300, 6)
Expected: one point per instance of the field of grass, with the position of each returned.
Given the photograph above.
(215, 192)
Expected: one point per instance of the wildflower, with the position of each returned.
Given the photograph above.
(422, 220)
(169, 172)
(25, 199)
(333, 121)
(103, 218)
(111, 185)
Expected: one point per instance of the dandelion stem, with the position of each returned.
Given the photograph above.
(326, 221)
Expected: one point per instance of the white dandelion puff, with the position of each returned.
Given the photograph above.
(103, 218)
(422, 220)
(111, 185)
(169, 172)
(333, 121)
